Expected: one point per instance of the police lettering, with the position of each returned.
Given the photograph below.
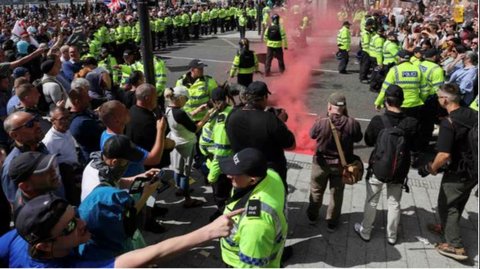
(409, 74)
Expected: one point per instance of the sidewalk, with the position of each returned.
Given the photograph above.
(313, 246)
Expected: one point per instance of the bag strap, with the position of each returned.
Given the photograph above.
(385, 121)
(337, 142)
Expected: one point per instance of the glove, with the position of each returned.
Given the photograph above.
(423, 171)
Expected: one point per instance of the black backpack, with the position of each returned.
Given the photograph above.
(247, 59)
(390, 159)
(42, 105)
(469, 159)
(273, 33)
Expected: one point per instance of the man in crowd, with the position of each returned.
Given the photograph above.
(24, 129)
(326, 162)
(271, 135)
(457, 183)
(343, 43)
(48, 221)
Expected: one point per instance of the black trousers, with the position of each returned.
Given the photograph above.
(214, 25)
(221, 191)
(245, 79)
(454, 193)
(364, 66)
(205, 28)
(161, 39)
(196, 31)
(221, 22)
(169, 35)
(241, 29)
(342, 65)
(278, 54)
(186, 32)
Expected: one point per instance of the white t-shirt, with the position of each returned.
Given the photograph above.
(62, 144)
(90, 180)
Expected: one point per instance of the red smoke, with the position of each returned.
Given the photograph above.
(290, 89)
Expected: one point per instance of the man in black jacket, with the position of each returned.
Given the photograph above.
(396, 118)
(456, 185)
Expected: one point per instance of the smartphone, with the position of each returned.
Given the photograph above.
(137, 185)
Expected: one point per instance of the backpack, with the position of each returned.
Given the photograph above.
(273, 33)
(390, 159)
(42, 105)
(469, 159)
(247, 59)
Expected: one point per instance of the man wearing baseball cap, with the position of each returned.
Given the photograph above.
(48, 232)
(255, 126)
(326, 161)
(259, 234)
(34, 173)
(199, 85)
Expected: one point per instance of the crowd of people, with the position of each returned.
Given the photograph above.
(85, 141)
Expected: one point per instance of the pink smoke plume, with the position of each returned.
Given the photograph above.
(291, 88)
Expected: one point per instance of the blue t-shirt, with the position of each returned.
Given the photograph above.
(134, 168)
(12, 102)
(14, 254)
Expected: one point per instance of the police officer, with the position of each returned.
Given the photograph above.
(365, 61)
(196, 22)
(242, 23)
(205, 19)
(258, 236)
(343, 43)
(390, 51)
(199, 87)
(276, 40)
(214, 20)
(245, 64)
(169, 29)
(434, 77)
(376, 56)
(457, 184)
(214, 135)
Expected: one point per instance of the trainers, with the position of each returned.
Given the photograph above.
(435, 228)
(445, 249)
(358, 230)
(392, 241)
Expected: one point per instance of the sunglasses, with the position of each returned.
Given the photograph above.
(28, 124)
(71, 226)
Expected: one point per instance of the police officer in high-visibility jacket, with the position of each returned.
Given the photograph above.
(244, 64)
(474, 104)
(276, 39)
(258, 235)
(376, 56)
(434, 77)
(343, 43)
(410, 79)
(365, 61)
(215, 133)
(199, 87)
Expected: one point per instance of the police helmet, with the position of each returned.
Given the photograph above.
(275, 18)
(244, 43)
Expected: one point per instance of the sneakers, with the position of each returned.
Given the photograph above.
(358, 230)
(435, 228)
(312, 220)
(458, 254)
(392, 241)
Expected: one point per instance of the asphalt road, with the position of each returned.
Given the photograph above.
(318, 79)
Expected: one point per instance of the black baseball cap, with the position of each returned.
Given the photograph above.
(257, 88)
(219, 94)
(29, 163)
(249, 161)
(404, 54)
(430, 53)
(121, 147)
(196, 63)
(36, 219)
(337, 99)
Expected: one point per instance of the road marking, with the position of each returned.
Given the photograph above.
(359, 119)
(229, 42)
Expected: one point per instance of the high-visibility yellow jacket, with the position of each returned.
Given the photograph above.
(434, 76)
(410, 79)
(199, 92)
(242, 66)
(258, 235)
(344, 39)
(390, 50)
(278, 42)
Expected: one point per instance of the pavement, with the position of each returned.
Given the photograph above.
(313, 246)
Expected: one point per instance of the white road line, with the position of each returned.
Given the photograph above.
(359, 119)
(229, 42)
(229, 62)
